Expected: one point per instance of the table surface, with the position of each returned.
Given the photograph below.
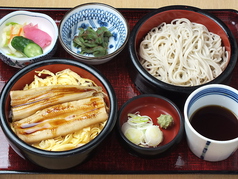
(204, 4)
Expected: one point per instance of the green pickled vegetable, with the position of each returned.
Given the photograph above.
(26, 46)
(93, 42)
(11, 23)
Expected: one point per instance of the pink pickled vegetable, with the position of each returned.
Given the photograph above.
(40, 37)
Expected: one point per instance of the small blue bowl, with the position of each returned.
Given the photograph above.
(94, 15)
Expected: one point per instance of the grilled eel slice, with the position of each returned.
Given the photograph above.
(61, 119)
(26, 102)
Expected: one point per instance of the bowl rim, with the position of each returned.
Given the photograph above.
(13, 138)
(163, 147)
(86, 58)
(38, 14)
(187, 122)
(134, 57)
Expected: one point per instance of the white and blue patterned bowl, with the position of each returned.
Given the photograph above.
(44, 22)
(207, 95)
(94, 15)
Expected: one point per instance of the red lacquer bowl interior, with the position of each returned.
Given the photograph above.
(56, 159)
(153, 106)
(169, 15)
(29, 77)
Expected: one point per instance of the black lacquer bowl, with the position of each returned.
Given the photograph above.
(145, 82)
(52, 159)
(152, 105)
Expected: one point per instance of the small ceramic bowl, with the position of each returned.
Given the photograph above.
(218, 141)
(45, 23)
(56, 160)
(153, 106)
(147, 83)
(94, 15)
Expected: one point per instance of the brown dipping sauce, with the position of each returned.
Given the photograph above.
(215, 122)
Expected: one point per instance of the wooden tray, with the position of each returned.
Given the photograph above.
(113, 158)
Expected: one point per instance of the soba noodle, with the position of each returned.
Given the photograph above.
(183, 53)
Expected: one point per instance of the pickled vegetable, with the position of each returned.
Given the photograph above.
(93, 42)
(28, 31)
(26, 46)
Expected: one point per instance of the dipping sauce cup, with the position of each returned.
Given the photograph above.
(214, 142)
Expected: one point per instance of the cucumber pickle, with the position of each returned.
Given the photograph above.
(26, 46)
